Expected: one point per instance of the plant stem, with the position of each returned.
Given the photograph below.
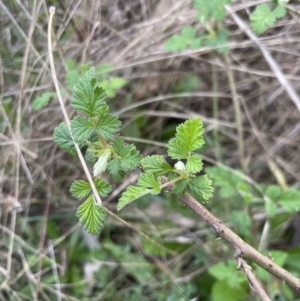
(242, 249)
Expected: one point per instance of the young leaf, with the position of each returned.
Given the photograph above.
(180, 187)
(82, 129)
(131, 194)
(87, 97)
(102, 187)
(101, 164)
(91, 216)
(42, 101)
(127, 155)
(156, 164)
(107, 125)
(263, 18)
(194, 164)
(273, 192)
(201, 187)
(80, 189)
(213, 9)
(112, 85)
(116, 173)
(63, 138)
(147, 180)
(187, 139)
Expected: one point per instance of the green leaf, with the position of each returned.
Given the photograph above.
(116, 173)
(201, 187)
(187, 139)
(156, 164)
(290, 200)
(80, 189)
(194, 164)
(72, 78)
(213, 9)
(221, 288)
(102, 187)
(127, 155)
(112, 85)
(147, 180)
(273, 192)
(263, 18)
(279, 257)
(271, 208)
(175, 44)
(91, 216)
(131, 194)
(87, 97)
(107, 125)
(82, 129)
(219, 41)
(42, 101)
(180, 187)
(227, 181)
(63, 138)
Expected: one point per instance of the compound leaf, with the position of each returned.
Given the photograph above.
(180, 187)
(87, 97)
(263, 18)
(131, 194)
(91, 216)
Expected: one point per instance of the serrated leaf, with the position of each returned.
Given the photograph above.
(102, 187)
(128, 155)
(156, 164)
(194, 164)
(43, 100)
(82, 129)
(107, 125)
(180, 187)
(63, 138)
(131, 194)
(147, 180)
(201, 187)
(115, 171)
(271, 208)
(187, 139)
(80, 189)
(72, 78)
(87, 97)
(91, 216)
(290, 200)
(263, 18)
(112, 85)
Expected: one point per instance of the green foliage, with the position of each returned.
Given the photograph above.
(91, 215)
(188, 138)
(42, 101)
(210, 14)
(213, 9)
(97, 129)
(112, 85)
(263, 17)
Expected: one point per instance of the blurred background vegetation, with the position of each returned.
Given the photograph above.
(161, 62)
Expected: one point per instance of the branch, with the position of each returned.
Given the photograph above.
(242, 249)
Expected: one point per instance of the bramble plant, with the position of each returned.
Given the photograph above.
(97, 129)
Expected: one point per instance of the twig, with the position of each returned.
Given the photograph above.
(242, 249)
(253, 281)
(62, 105)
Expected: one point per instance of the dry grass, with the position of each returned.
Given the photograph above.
(130, 35)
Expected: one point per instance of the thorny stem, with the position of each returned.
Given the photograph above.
(242, 249)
